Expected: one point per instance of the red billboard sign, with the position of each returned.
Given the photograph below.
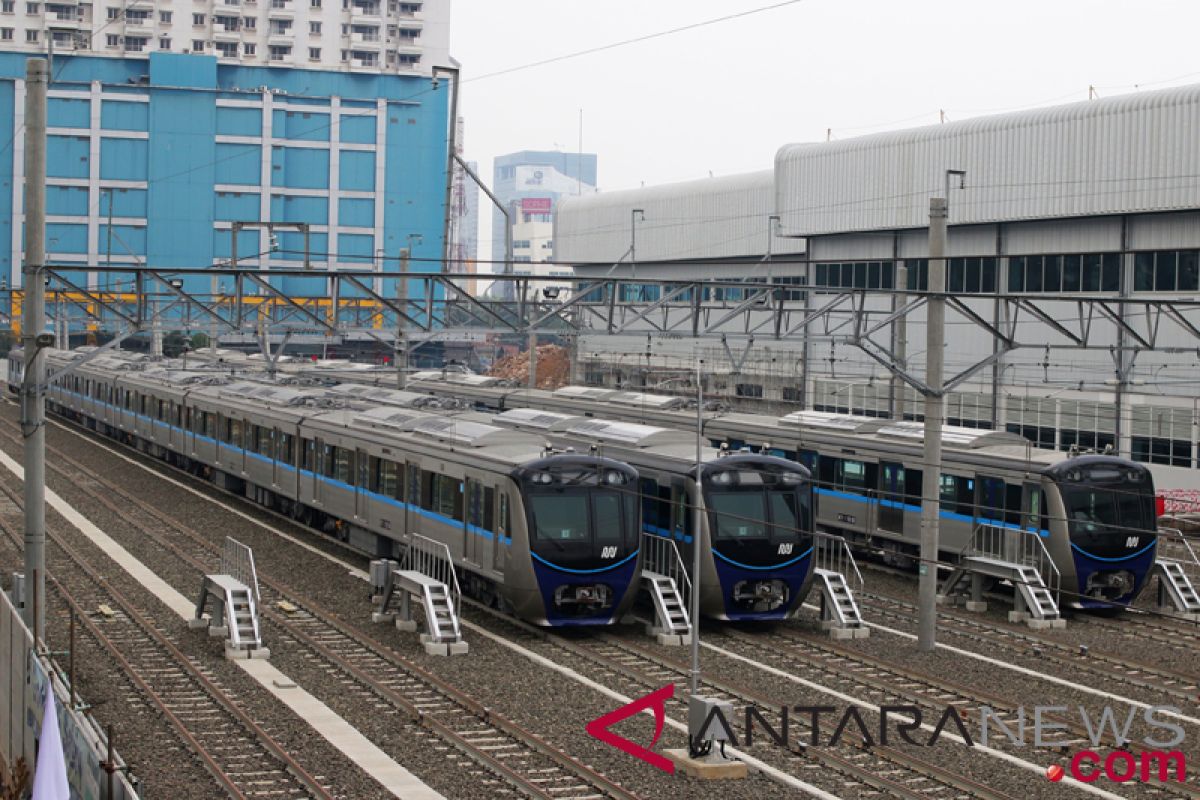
(535, 205)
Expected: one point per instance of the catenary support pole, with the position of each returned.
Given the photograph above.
(33, 320)
(533, 339)
(697, 537)
(401, 355)
(935, 338)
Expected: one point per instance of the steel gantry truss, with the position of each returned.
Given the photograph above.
(369, 304)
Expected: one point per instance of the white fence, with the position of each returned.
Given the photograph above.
(25, 677)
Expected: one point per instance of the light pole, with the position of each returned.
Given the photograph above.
(697, 520)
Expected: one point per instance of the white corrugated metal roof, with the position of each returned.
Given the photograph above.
(723, 217)
(1128, 154)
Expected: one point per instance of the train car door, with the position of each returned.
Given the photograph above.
(891, 497)
(362, 504)
(473, 521)
(318, 484)
(412, 520)
(500, 527)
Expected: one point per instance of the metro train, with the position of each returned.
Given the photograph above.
(1096, 515)
(757, 547)
(550, 535)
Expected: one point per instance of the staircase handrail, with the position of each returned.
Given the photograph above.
(662, 555)
(432, 558)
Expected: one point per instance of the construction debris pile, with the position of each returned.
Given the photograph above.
(553, 367)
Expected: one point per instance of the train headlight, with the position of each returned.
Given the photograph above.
(543, 478)
(724, 478)
(791, 478)
(614, 478)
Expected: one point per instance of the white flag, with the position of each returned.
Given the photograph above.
(50, 777)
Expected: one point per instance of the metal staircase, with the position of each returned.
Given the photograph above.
(838, 577)
(428, 574)
(664, 576)
(242, 615)
(1014, 555)
(670, 615)
(1174, 583)
(837, 601)
(1035, 593)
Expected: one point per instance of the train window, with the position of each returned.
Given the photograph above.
(414, 484)
(560, 516)
(1012, 504)
(739, 515)
(160, 410)
(855, 476)
(345, 465)
(809, 458)
(503, 527)
(957, 494)
(210, 424)
(991, 499)
(142, 404)
(284, 452)
(606, 512)
(374, 467)
(912, 485)
(308, 454)
(328, 463)
(233, 432)
(445, 496)
(265, 441)
(247, 436)
(683, 512)
(475, 504)
(489, 508)
(427, 489)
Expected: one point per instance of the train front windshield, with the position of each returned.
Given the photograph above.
(776, 513)
(1105, 522)
(577, 516)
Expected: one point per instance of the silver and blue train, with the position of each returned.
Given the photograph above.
(756, 521)
(550, 535)
(1096, 515)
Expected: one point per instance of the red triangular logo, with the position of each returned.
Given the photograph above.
(657, 700)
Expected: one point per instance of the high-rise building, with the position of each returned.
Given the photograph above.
(172, 146)
(388, 36)
(529, 184)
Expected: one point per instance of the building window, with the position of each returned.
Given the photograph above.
(31, 36)
(857, 275)
(314, 28)
(409, 60)
(314, 53)
(198, 45)
(227, 23)
(165, 17)
(1089, 272)
(227, 49)
(280, 52)
(792, 394)
(249, 23)
(249, 49)
(8, 6)
(281, 27)
(164, 43)
(749, 390)
(197, 19)
(32, 8)
(521, 244)
(1166, 271)
(279, 4)
(314, 3)
(6, 34)
(971, 275)
(113, 40)
(135, 44)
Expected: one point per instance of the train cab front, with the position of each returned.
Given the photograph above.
(583, 536)
(1112, 523)
(760, 514)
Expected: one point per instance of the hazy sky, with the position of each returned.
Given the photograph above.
(724, 97)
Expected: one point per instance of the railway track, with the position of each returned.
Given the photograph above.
(850, 671)
(999, 639)
(243, 758)
(512, 755)
(858, 769)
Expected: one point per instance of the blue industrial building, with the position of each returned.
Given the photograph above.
(177, 147)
